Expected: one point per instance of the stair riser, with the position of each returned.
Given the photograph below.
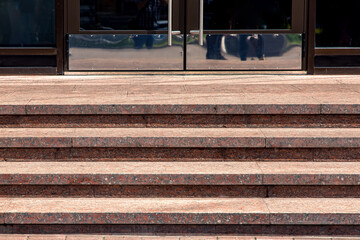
(179, 191)
(179, 121)
(180, 154)
(209, 218)
(164, 230)
(186, 179)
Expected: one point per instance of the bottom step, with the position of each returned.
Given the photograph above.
(134, 237)
(197, 211)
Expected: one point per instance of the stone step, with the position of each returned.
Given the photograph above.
(180, 137)
(228, 230)
(163, 237)
(199, 211)
(155, 154)
(180, 173)
(180, 191)
(182, 121)
(234, 104)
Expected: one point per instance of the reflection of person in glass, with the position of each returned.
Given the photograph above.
(213, 44)
(221, 19)
(147, 19)
(256, 41)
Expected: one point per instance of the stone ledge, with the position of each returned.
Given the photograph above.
(180, 137)
(180, 173)
(248, 211)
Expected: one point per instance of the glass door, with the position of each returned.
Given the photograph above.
(245, 34)
(107, 35)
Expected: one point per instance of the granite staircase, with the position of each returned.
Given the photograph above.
(180, 169)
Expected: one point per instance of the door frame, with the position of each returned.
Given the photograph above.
(314, 51)
(56, 51)
(185, 19)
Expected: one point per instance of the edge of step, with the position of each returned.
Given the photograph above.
(180, 173)
(253, 211)
(104, 109)
(181, 137)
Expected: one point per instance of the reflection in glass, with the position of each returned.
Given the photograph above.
(337, 23)
(245, 52)
(247, 14)
(27, 23)
(123, 14)
(125, 52)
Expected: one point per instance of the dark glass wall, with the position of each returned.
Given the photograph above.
(27, 23)
(337, 23)
(247, 14)
(123, 14)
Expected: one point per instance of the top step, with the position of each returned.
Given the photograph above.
(217, 94)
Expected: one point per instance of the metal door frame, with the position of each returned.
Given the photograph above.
(186, 15)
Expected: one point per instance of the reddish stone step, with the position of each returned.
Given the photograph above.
(165, 230)
(164, 237)
(246, 211)
(181, 121)
(180, 173)
(234, 105)
(180, 154)
(180, 137)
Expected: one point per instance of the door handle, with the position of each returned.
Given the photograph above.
(170, 24)
(200, 32)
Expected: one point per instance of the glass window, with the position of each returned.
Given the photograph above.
(337, 23)
(247, 14)
(123, 14)
(27, 23)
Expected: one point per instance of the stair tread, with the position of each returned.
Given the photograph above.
(181, 210)
(180, 137)
(235, 94)
(181, 173)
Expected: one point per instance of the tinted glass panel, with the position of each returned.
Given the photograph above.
(27, 61)
(123, 14)
(125, 52)
(27, 23)
(244, 52)
(337, 23)
(247, 14)
(337, 61)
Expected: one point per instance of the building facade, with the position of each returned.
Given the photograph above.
(57, 36)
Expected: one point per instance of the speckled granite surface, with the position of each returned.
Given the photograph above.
(180, 173)
(277, 211)
(159, 155)
(181, 137)
(210, 94)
